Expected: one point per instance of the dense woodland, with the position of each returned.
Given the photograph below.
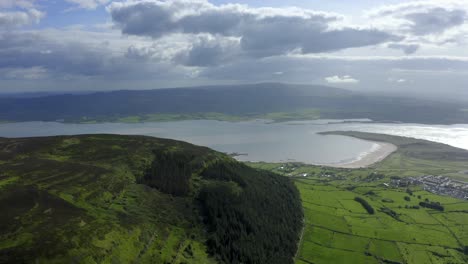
(252, 216)
(169, 172)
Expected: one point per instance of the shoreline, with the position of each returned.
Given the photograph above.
(381, 151)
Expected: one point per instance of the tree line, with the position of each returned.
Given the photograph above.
(365, 204)
(432, 205)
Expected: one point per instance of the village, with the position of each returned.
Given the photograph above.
(441, 185)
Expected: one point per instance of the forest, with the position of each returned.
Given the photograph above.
(169, 172)
(247, 216)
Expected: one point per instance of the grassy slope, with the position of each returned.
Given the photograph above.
(75, 199)
(339, 230)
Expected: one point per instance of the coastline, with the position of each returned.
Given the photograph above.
(377, 154)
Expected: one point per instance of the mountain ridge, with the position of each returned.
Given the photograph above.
(106, 198)
(233, 100)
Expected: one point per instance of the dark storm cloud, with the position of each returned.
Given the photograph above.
(262, 31)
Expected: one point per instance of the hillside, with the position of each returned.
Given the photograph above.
(233, 102)
(135, 199)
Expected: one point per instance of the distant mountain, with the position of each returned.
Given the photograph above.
(135, 199)
(39, 94)
(231, 100)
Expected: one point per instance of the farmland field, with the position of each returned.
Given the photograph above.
(337, 229)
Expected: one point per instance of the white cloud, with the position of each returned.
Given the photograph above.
(345, 79)
(434, 21)
(262, 32)
(11, 19)
(89, 4)
(14, 14)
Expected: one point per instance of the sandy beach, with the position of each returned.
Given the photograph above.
(378, 152)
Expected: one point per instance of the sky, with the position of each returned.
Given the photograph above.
(393, 46)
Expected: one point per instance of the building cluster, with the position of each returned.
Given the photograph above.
(441, 185)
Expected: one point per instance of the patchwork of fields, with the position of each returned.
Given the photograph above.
(338, 229)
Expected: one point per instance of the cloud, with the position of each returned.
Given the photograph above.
(23, 50)
(60, 55)
(261, 32)
(89, 4)
(17, 3)
(427, 21)
(406, 48)
(208, 50)
(18, 13)
(162, 43)
(435, 20)
(12, 19)
(345, 79)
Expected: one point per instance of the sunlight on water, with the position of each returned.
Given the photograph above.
(454, 135)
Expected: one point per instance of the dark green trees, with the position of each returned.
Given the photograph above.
(170, 173)
(252, 216)
(365, 204)
(432, 205)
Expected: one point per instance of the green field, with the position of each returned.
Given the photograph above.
(338, 229)
(300, 114)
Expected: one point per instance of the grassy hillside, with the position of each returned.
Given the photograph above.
(133, 199)
(359, 216)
